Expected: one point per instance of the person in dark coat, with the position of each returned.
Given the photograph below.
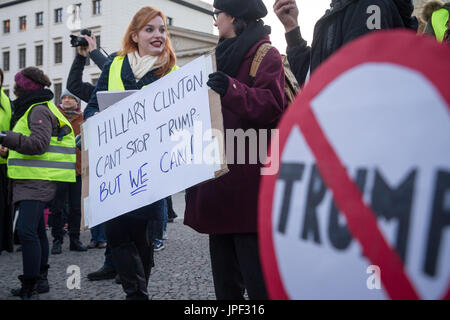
(345, 21)
(84, 90)
(227, 208)
(6, 212)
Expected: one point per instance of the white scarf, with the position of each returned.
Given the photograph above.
(142, 65)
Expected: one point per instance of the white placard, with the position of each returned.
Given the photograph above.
(141, 149)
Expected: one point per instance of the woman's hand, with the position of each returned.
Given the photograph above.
(219, 81)
(3, 151)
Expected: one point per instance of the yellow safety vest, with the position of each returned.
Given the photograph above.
(5, 115)
(115, 82)
(56, 164)
(439, 22)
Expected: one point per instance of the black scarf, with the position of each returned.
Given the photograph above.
(24, 102)
(230, 52)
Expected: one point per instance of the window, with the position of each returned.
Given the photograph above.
(76, 12)
(22, 58)
(169, 21)
(58, 15)
(6, 61)
(96, 7)
(58, 52)
(6, 26)
(39, 55)
(39, 19)
(58, 92)
(23, 23)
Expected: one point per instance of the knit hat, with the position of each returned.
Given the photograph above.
(248, 9)
(68, 93)
(27, 83)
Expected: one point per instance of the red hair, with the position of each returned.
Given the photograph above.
(139, 21)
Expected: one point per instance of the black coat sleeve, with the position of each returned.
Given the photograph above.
(98, 58)
(75, 84)
(298, 54)
(102, 85)
(41, 122)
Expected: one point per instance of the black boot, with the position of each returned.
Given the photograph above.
(76, 245)
(57, 247)
(42, 284)
(104, 273)
(28, 289)
(132, 275)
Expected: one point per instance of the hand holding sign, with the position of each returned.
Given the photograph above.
(134, 154)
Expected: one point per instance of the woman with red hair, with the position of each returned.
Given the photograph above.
(146, 55)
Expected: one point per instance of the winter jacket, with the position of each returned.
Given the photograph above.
(229, 204)
(75, 84)
(344, 22)
(43, 125)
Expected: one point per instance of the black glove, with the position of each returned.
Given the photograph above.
(219, 81)
(2, 136)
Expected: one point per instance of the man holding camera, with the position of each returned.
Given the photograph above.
(84, 91)
(75, 83)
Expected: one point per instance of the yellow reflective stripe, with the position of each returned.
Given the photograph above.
(62, 150)
(115, 82)
(439, 21)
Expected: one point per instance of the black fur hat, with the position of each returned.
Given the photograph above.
(246, 9)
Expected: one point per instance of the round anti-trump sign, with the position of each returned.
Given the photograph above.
(360, 208)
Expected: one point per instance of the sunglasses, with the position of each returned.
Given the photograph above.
(216, 14)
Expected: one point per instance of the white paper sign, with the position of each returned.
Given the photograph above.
(134, 159)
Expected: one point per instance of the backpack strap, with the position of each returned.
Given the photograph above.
(259, 56)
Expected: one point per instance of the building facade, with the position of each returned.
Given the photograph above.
(37, 33)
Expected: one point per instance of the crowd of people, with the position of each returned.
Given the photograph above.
(40, 165)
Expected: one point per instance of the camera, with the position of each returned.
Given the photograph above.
(77, 41)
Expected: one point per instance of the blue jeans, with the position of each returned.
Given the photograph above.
(160, 223)
(30, 227)
(98, 233)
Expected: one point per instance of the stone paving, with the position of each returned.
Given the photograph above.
(182, 270)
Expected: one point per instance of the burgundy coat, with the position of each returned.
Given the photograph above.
(229, 204)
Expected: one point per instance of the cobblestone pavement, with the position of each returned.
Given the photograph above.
(182, 270)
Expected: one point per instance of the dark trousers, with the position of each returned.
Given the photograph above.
(30, 228)
(67, 193)
(131, 248)
(236, 266)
